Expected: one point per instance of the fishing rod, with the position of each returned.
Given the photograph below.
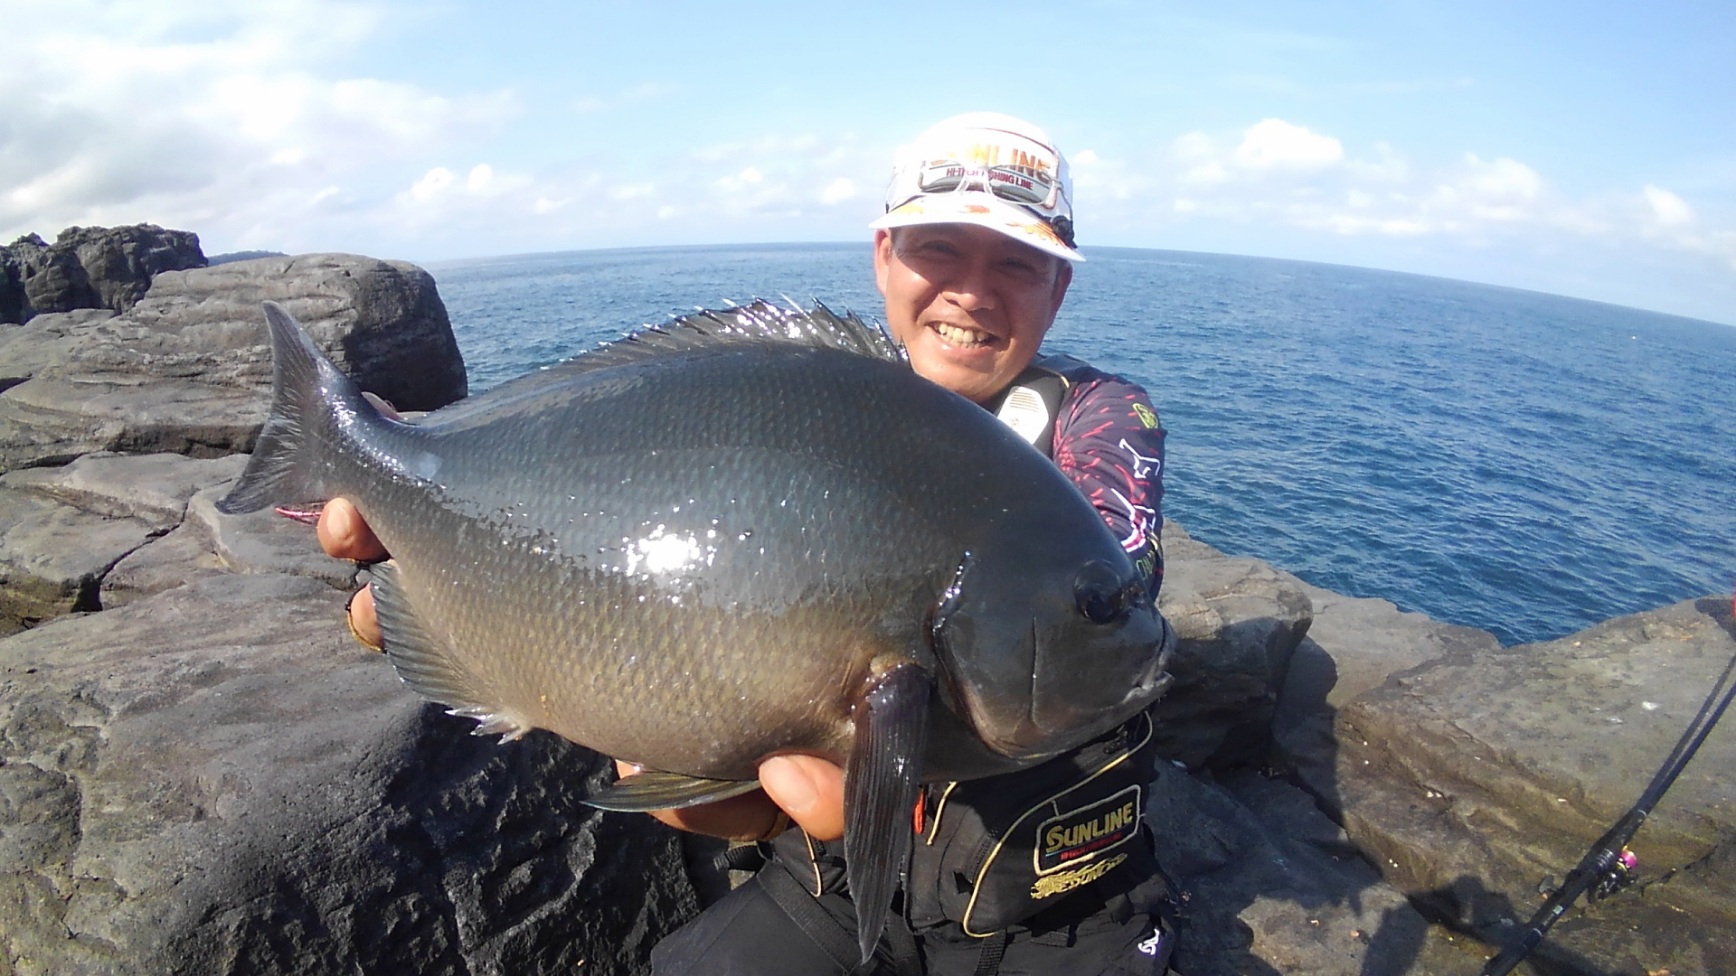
(1607, 866)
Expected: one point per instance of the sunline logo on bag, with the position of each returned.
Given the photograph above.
(1072, 836)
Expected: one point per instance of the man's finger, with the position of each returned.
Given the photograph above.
(810, 790)
(364, 624)
(344, 535)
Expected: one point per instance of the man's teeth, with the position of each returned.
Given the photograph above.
(962, 337)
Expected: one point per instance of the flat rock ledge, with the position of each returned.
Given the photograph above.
(186, 369)
(200, 773)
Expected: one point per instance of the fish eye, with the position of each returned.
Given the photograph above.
(1100, 593)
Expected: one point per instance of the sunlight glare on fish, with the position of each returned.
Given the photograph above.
(664, 554)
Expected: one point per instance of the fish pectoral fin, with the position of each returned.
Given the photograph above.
(654, 790)
(880, 785)
(426, 664)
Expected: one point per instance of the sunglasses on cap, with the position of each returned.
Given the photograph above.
(1033, 188)
(1028, 186)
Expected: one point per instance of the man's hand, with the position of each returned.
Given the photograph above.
(809, 789)
(343, 535)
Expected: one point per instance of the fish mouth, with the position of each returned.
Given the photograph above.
(1042, 736)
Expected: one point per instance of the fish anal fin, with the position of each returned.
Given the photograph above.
(425, 662)
(655, 790)
(881, 778)
(504, 724)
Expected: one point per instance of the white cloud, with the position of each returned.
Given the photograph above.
(1668, 210)
(433, 183)
(1279, 172)
(1388, 165)
(1502, 179)
(1279, 188)
(1276, 144)
(225, 119)
(838, 191)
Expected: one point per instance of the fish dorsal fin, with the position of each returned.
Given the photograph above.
(758, 321)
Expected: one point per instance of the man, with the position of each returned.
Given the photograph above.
(973, 256)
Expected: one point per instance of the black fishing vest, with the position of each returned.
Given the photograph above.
(1059, 839)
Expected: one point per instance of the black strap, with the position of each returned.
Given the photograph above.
(994, 948)
(741, 857)
(799, 904)
(829, 934)
(901, 941)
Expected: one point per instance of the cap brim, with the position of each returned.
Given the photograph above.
(981, 210)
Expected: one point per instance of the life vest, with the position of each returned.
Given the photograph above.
(1032, 403)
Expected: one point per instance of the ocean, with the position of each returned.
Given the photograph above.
(1522, 463)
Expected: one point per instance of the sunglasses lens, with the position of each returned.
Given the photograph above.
(1013, 184)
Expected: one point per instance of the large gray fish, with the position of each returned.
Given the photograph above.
(747, 532)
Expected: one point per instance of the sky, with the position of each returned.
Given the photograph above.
(1584, 149)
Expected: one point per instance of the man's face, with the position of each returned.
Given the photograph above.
(971, 305)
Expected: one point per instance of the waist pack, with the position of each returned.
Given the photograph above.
(1065, 836)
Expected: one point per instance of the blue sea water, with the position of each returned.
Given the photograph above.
(1518, 462)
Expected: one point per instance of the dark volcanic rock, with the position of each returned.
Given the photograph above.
(231, 256)
(188, 369)
(381, 322)
(90, 267)
(217, 780)
(1238, 621)
(19, 262)
(1271, 886)
(63, 529)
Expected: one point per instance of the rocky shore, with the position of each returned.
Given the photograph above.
(201, 773)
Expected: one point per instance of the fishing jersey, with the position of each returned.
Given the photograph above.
(1108, 440)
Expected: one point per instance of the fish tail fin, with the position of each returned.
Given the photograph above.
(310, 398)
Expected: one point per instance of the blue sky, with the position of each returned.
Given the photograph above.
(1585, 149)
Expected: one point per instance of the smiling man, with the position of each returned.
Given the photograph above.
(975, 252)
(1045, 870)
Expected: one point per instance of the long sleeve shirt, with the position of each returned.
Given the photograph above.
(1109, 441)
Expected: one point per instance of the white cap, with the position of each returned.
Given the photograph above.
(987, 169)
